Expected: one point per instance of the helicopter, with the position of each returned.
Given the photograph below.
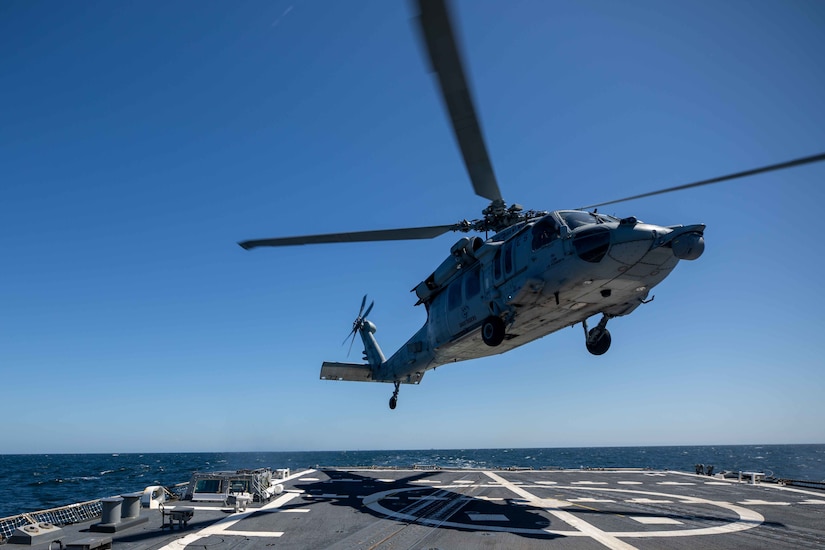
(534, 272)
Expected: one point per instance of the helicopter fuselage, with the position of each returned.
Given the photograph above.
(537, 277)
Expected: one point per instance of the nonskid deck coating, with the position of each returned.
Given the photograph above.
(441, 509)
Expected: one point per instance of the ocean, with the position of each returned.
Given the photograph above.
(38, 482)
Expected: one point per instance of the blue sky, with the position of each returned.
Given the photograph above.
(140, 141)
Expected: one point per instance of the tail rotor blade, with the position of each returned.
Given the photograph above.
(351, 342)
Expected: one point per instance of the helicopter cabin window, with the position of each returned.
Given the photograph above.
(497, 265)
(472, 283)
(454, 295)
(508, 258)
(545, 230)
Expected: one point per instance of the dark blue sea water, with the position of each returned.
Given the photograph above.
(38, 482)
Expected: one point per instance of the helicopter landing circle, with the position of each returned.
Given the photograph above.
(566, 511)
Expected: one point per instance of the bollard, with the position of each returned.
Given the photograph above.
(131, 505)
(111, 510)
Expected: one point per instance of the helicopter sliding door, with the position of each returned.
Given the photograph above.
(465, 308)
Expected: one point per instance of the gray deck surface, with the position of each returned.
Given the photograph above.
(445, 509)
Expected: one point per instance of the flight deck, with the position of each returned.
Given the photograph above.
(438, 509)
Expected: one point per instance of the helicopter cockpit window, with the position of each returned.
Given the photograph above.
(545, 230)
(472, 284)
(576, 219)
(454, 295)
(497, 265)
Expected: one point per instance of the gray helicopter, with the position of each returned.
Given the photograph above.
(539, 272)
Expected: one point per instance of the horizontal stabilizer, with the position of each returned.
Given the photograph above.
(346, 371)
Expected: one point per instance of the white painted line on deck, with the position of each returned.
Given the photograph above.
(647, 520)
(554, 507)
(648, 501)
(308, 479)
(589, 483)
(271, 534)
(589, 499)
(630, 483)
(763, 503)
(812, 501)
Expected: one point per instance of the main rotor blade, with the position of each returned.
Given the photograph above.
(403, 234)
(771, 168)
(437, 31)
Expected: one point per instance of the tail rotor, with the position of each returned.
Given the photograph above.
(358, 323)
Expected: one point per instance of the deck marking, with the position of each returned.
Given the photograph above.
(547, 483)
(812, 501)
(554, 507)
(674, 483)
(589, 483)
(646, 520)
(589, 499)
(747, 518)
(649, 501)
(223, 525)
(308, 479)
(273, 534)
(630, 483)
(751, 502)
(487, 517)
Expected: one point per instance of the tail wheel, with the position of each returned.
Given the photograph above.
(492, 331)
(598, 341)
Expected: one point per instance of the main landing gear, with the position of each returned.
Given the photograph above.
(394, 398)
(597, 340)
(492, 330)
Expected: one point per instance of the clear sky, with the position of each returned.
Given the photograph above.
(139, 141)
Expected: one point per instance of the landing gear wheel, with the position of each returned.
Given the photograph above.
(598, 341)
(394, 398)
(492, 331)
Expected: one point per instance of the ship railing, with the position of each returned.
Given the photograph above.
(62, 515)
(802, 483)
